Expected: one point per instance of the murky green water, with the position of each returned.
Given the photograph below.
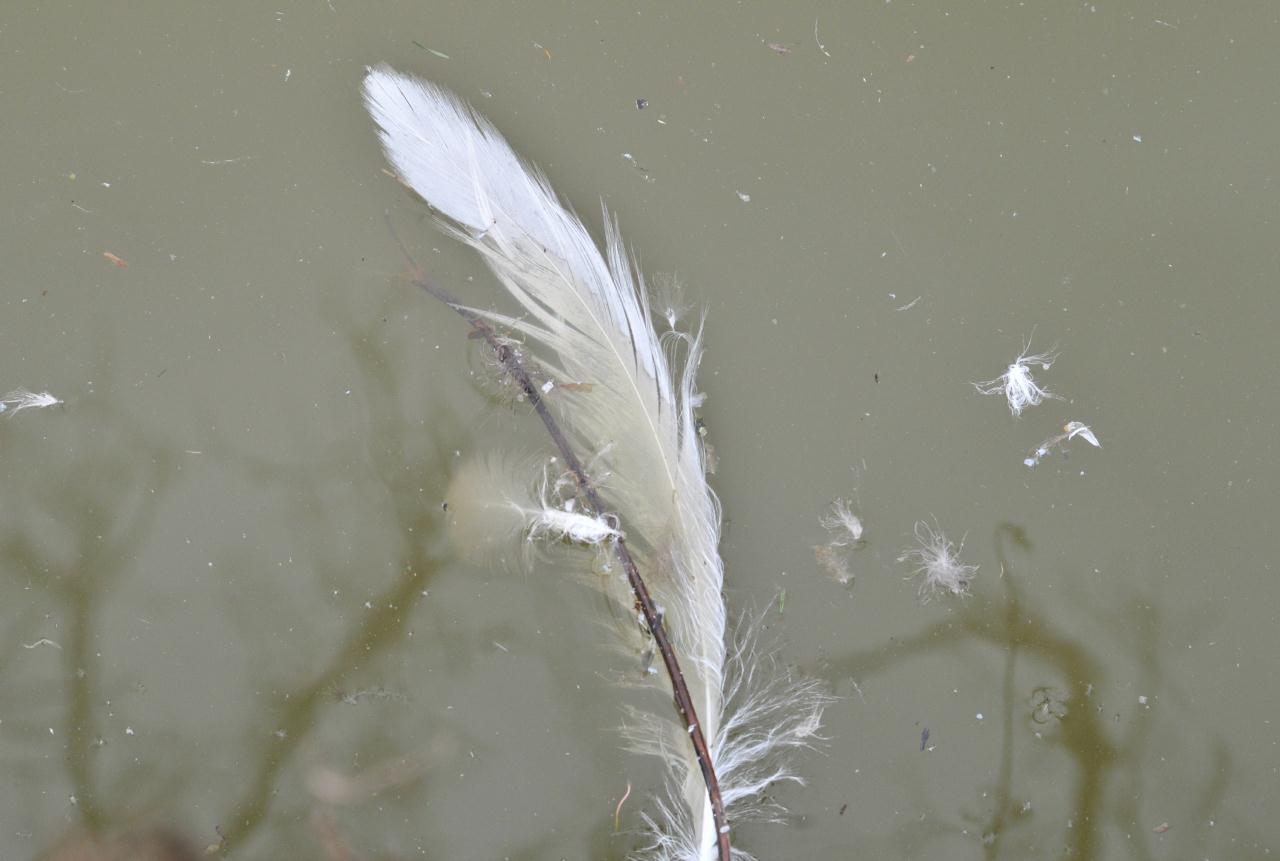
(228, 608)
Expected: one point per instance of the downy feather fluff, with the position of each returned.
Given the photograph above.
(491, 499)
(585, 317)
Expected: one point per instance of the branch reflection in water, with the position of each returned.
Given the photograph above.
(1052, 700)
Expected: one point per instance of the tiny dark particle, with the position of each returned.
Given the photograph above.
(843, 808)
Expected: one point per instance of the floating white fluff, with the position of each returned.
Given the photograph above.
(846, 534)
(586, 317)
(1017, 385)
(492, 498)
(845, 526)
(937, 564)
(20, 399)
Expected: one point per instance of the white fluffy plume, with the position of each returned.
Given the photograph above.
(585, 317)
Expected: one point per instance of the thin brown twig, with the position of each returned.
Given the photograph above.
(644, 601)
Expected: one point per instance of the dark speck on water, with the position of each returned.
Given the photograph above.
(924, 738)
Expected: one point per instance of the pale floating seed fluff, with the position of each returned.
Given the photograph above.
(585, 316)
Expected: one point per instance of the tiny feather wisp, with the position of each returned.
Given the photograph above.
(936, 563)
(846, 530)
(492, 498)
(1070, 431)
(20, 399)
(845, 526)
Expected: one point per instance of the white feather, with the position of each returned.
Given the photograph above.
(586, 318)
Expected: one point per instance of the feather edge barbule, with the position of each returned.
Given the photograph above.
(585, 317)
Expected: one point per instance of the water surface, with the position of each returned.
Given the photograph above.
(228, 607)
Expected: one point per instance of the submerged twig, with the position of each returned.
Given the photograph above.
(510, 360)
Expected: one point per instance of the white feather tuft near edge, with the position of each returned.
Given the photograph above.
(586, 317)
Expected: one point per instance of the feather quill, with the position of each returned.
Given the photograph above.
(585, 317)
